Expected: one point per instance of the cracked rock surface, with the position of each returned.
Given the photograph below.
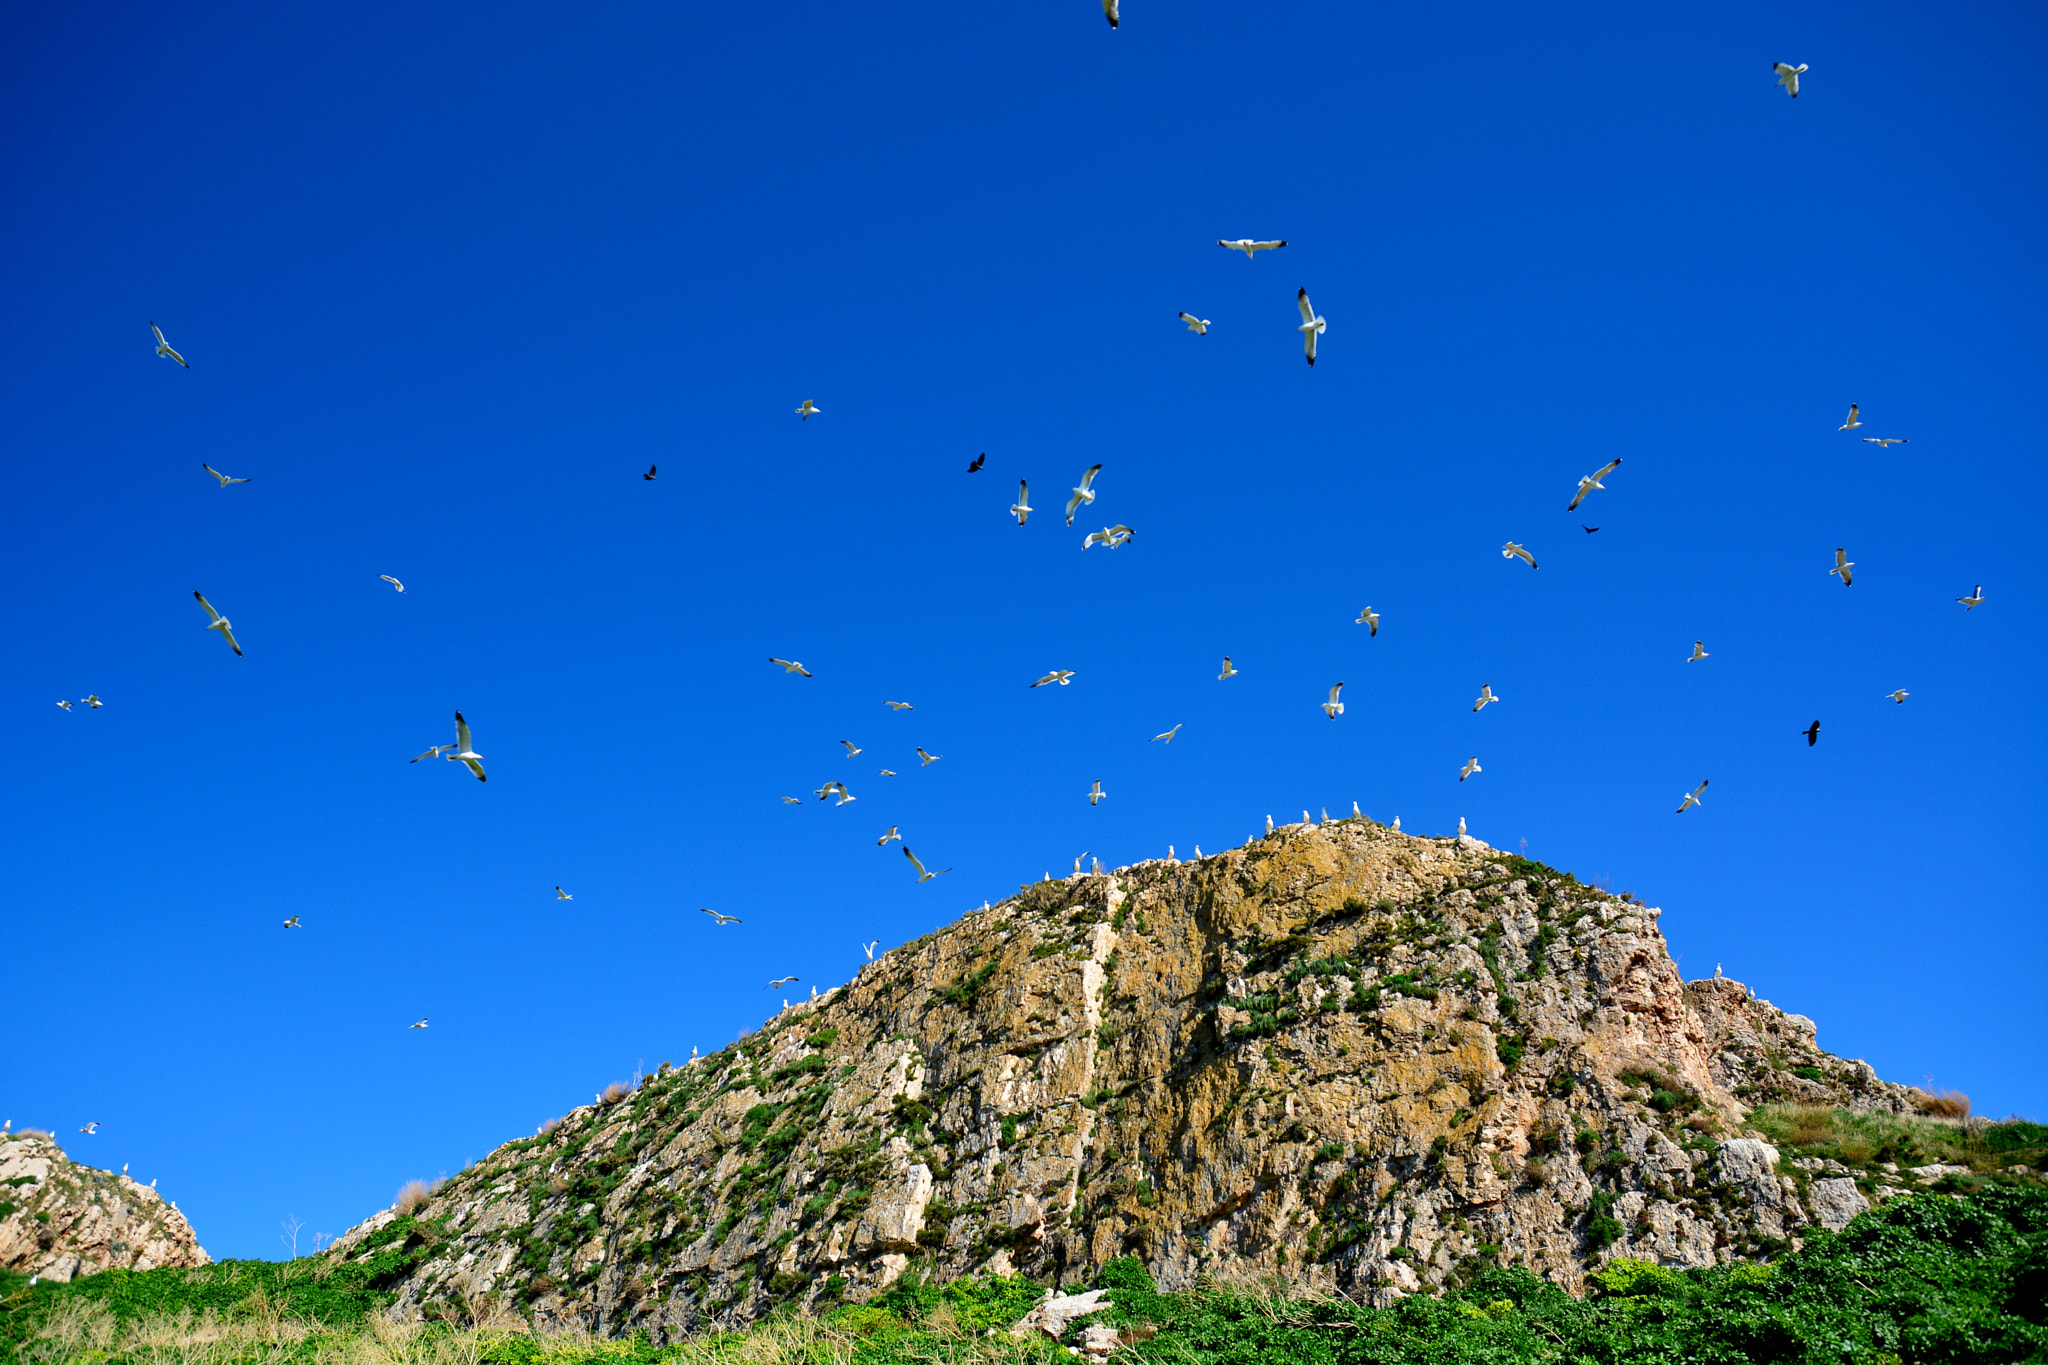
(61, 1220)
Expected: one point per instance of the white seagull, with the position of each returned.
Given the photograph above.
(1486, 698)
(1228, 671)
(1693, 799)
(899, 706)
(1269, 824)
(1058, 675)
(293, 923)
(1085, 492)
(1471, 767)
(886, 772)
(421, 1024)
(779, 981)
(224, 479)
(1899, 696)
(1371, 618)
(1168, 736)
(1699, 651)
(1199, 326)
(163, 348)
(1512, 550)
(562, 895)
(717, 918)
(892, 834)
(922, 875)
(869, 949)
(64, 705)
(1976, 596)
(1112, 536)
(220, 623)
(851, 748)
(1096, 793)
(1312, 324)
(1592, 481)
(1886, 441)
(392, 581)
(1334, 708)
(1788, 76)
(789, 666)
(927, 759)
(465, 750)
(92, 1127)
(787, 800)
(93, 701)
(1461, 827)
(836, 787)
(1396, 826)
(435, 752)
(1248, 246)
(1842, 566)
(807, 409)
(1021, 508)
(1853, 422)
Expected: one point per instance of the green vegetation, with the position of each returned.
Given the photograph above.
(1865, 1139)
(1926, 1278)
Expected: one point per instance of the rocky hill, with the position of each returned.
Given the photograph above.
(1352, 1058)
(60, 1220)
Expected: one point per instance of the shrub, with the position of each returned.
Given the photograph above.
(1949, 1104)
(614, 1092)
(413, 1196)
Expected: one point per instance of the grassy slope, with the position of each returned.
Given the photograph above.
(1927, 1277)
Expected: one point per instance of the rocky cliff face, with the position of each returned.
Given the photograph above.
(1352, 1058)
(60, 1220)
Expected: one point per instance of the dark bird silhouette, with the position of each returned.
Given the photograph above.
(1589, 530)
(1812, 733)
(979, 460)
(650, 472)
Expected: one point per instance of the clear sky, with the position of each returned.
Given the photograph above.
(450, 278)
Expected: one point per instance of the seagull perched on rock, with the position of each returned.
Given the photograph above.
(1461, 827)
(1699, 651)
(899, 706)
(220, 623)
(1112, 536)
(1511, 550)
(1228, 671)
(421, 1024)
(1471, 767)
(1096, 793)
(1058, 675)
(1248, 246)
(1812, 733)
(851, 749)
(293, 923)
(1077, 861)
(224, 479)
(1168, 736)
(1396, 826)
(1312, 324)
(396, 585)
(465, 751)
(1199, 326)
(1899, 696)
(836, 787)
(779, 981)
(1886, 441)
(1976, 596)
(1334, 708)
(1842, 566)
(892, 834)
(1592, 481)
(1788, 76)
(807, 409)
(1021, 508)
(922, 875)
(562, 895)
(927, 759)
(1854, 420)
(1693, 799)
(1083, 492)
(1486, 697)
(717, 918)
(1371, 618)
(789, 666)
(163, 348)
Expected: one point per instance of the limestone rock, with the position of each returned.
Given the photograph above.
(61, 1220)
(1836, 1201)
(1053, 1314)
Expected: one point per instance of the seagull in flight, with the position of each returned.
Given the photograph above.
(224, 479)
(649, 475)
(1371, 618)
(869, 949)
(163, 348)
(1854, 420)
(717, 918)
(1058, 675)
(927, 759)
(1812, 733)
(840, 787)
(1842, 565)
(787, 800)
(922, 875)
(1168, 736)
(1976, 596)
(465, 751)
(1228, 671)
(1693, 799)
(1886, 441)
(1592, 481)
(64, 705)
(1788, 76)
(1471, 767)
(892, 834)
(421, 1024)
(779, 981)
(293, 923)
(1248, 246)
(92, 1127)
(1334, 708)
(899, 706)
(1085, 492)
(851, 750)
(1699, 651)
(1486, 698)
(1096, 793)
(807, 409)
(220, 623)
(1021, 509)
(979, 461)
(1589, 530)
(1199, 326)
(435, 752)
(93, 701)
(789, 666)
(1112, 536)
(886, 772)
(1312, 325)
(398, 586)
(562, 895)
(1511, 550)
(1899, 696)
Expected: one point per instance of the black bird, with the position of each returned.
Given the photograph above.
(979, 460)
(1812, 733)
(1589, 530)
(650, 472)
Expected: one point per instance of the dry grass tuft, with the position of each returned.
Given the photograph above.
(413, 1196)
(615, 1092)
(1537, 1170)
(1807, 1124)
(1947, 1104)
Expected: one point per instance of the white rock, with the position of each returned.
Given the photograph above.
(1052, 1315)
(1837, 1201)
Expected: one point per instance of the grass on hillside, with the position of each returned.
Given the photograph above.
(1925, 1278)
(1865, 1139)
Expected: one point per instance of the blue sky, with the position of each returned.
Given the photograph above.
(450, 279)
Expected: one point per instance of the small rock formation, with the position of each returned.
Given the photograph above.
(1350, 1058)
(61, 1220)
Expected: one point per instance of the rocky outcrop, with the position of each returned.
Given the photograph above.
(60, 1220)
(1354, 1059)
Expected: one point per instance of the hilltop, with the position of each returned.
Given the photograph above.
(60, 1219)
(1340, 1057)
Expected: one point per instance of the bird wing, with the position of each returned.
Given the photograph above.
(1604, 470)
(1189, 318)
(175, 356)
(1088, 479)
(1697, 790)
(159, 334)
(1266, 246)
(462, 731)
(1308, 346)
(913, 861)
(388, 579)
(215, 472)
(1585, 487)
(208, 605)
(229, 636)
(1308, 312)
(476, 768)
(1335, 690)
